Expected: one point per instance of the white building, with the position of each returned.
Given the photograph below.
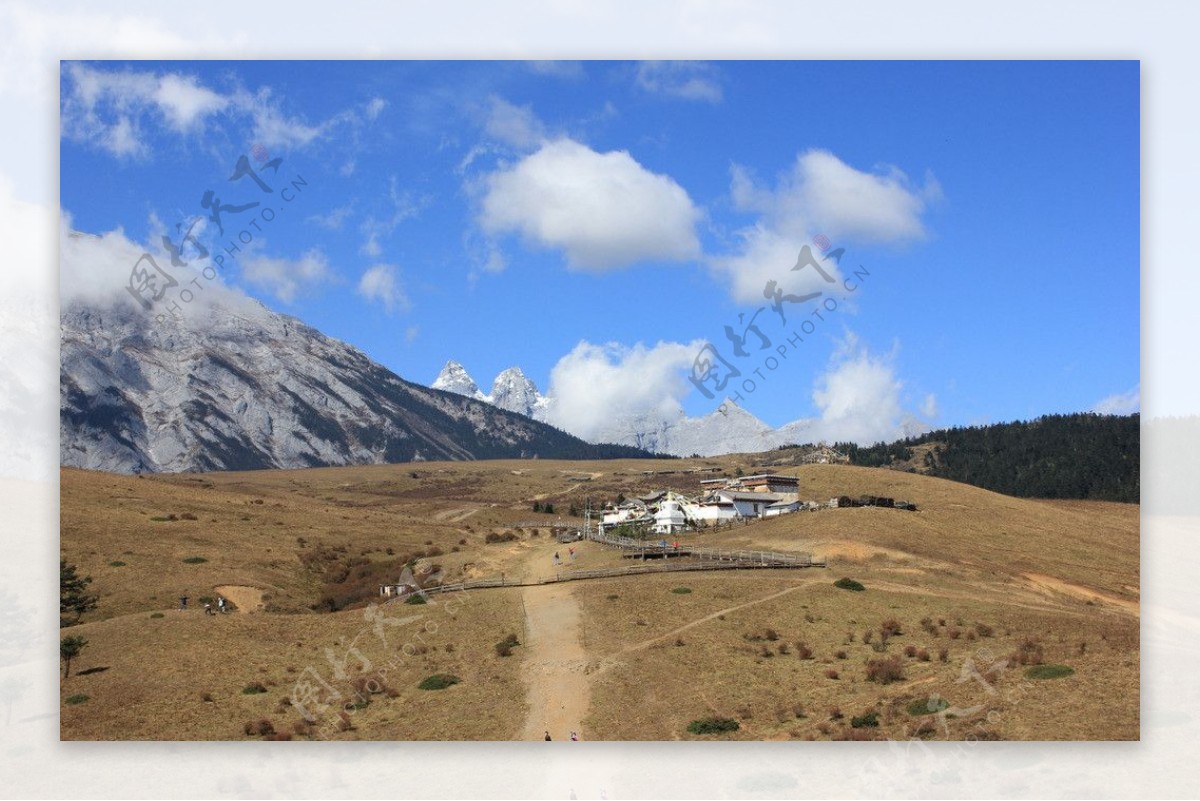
(670, 517)
(783, 507)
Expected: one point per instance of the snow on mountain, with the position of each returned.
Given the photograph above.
(730, 429)
(240, 387)
(454, 378)
(513, 391)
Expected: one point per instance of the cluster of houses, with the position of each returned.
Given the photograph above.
(723, 502)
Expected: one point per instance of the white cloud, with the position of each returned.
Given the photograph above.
(859, 398)
(929, 407)
(375, 107)
(603, 210)
(111, 109)
(690, 80)
(286, 278)
(556, 69)
(107, 107)
(184, 102)
(96, 270)
(411, 333)
(380, 284)
(1121, 403)
(516, 126)
(405, 205)
(820, 194)
(333, 219)
(596, 384)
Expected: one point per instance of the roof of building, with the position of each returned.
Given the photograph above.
(734, 495)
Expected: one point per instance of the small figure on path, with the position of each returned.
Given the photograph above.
(221, 604)
(574, 736)
(572, 552)
(183, 602)
(548, 735)
(557, 558)
(208, 610)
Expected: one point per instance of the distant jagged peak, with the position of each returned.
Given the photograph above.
(455, 378)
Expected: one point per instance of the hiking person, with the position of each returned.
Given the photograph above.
(221, 604)
(572, 552)
(557, 558)
(208, 610)
(548, 735)
(574, 736)
(183, 602)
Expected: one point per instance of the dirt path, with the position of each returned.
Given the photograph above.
(555, 664)
(1083, 593)
(246, 599)
(455, 515)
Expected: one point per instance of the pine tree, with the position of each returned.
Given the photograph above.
(68, 649)
(72, 596)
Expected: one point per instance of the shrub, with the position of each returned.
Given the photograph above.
(416, 599)
(713, 725)
(867, 636)
(260, 728)
(890, 628)
(943, 654)
(849, 584)
(928, 706)
(922, 655)
(840, 655)
(188, 516)
(279, 735)
(885, 671)
(1029, 652)
(954, 634)
(194, 560)
(438, 681)
(116, 563)
(493, 537)
(835, 713)
(910, 651)
(865, 720)
(799, 711)
(612, 596)
(925, 729)
(254, 689)
(831, 674)
(984, 630)
(1048, 671)
(679, 642)
(771, 634)
(78, 698)
(682, 590)
(783, 649)
(157, 614)
(206, 698)
(803, 651)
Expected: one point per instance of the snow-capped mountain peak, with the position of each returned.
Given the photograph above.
(514, 391)
(455, 378)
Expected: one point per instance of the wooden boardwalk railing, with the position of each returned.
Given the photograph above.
(701, 559)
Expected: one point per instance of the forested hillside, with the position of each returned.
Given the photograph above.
(1087, 456)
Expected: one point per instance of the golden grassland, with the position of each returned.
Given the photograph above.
(988, 574)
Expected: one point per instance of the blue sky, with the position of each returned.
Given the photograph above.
(596, 222)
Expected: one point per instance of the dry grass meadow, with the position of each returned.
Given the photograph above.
(974, 590)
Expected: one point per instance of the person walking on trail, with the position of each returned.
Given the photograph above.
(183, 602)
(208, 610)
(572, 552)
(548, 738)
(557, 558)
(221, 604)
(574, 736)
